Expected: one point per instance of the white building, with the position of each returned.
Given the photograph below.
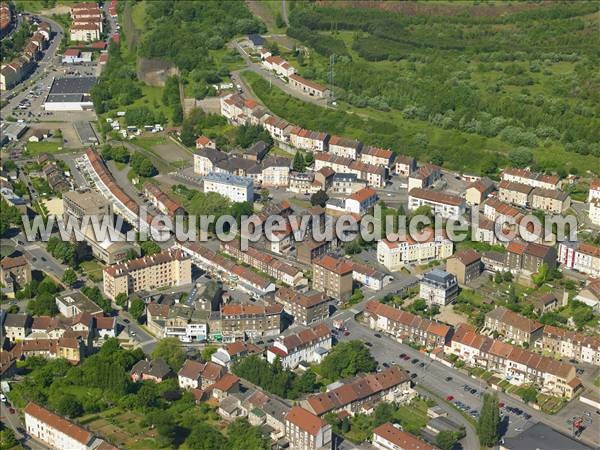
(309, 345)
(426, 247)
(389, 437)
(237, 189)
(444, 205)
(438, 287)
(580, 256)
(594, 202)
(361, 201)
(56, 431)
(306, 431)
(532, 179)
(85, 32)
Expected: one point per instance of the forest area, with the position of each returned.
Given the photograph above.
(525, 81)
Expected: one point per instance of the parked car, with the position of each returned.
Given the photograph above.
(448, 378)
(450, 398)
(377, 335)
(402, 355)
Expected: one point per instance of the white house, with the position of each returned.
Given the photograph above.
(394, 255)
(309, 345)
(235, 188)
(445, 205)
(361, 201)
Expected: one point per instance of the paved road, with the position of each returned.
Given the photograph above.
(14, 422)
(39, 258)
(433, 377)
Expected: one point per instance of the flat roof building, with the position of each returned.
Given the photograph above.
(70, 94)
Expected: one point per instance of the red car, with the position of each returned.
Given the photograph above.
(11, 410)
(501, 405)
(347, 333)
(449, 398)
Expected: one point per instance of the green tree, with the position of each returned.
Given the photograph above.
(204, 437)
(7, 439)
(69, 277)
(319, 198)
(346, 360)
(279, 22)
(489, 419)
(68, 405)
(171, 350)
(243, 436)
(188, 136)
(446, 439)
(541, 276)
(299, 165)
(121, 299)
(43, 304)
(137, 309)
(208, 351)
(149, 248)
(529, 394)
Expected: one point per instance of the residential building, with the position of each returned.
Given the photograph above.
(465, 265)
(333, 277)
(550, 200)
(168, 268)
(515, 193)
(346, 183)
(85, 32)
(310, 141)
(544, 303)
(279, 65)
(478, 191)
(394, 255)
(406, 327)
(187, 323)
(275, 171)
(593, 201)
(203, 141)
(308, 250)
(570, 345)
(162, 201)
(374, 175)
(199, 375)
(369, 276)
(304, 183)
(17, 326)
(532, 179)
(590, 294)
(78, 204)
(390, 437)
(57, 432)
(307, 87)
(345, 147)
(405, 165)
(241, 321)
(424, 177)
(389, 385)
(516, 365)
(444, 205)
(438, 287)
(306, 309)
(361, 201)
(257, 151)
(150, 370)
(74, 303)
(228, 354)
(309, 345)
(207, 159)
(514, 327)
(377, 156)
(306, 431)
(235, 188)
(15, 270)
(580, 256)
(528, 257)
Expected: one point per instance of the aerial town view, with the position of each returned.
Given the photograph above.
(303, 225)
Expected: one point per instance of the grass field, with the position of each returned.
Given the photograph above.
(92, 269)
(138, 14)
(39, 5)
(35, 148)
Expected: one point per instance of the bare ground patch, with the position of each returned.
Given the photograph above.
(172, 152)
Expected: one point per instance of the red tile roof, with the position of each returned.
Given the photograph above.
(305, 420)
(401, 439)
(59, 423)
(337, 265)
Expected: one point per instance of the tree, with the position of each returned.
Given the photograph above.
(299, 165)
(446, 439)
(319, 198)
(529, 394)
(541, 276)
(498, 277)
(171, 351)
(149, 248)
(520, 157)
(309, 158)
(137, 308)
(7, 439)
(121, 299)
(279, 22)
(208, 351)
(204, 437)
(357, 296)
(68, 405)
(69, 277)
(346, 360)
(489, 419)
(44, 304)
(188, 137)
(243, 436)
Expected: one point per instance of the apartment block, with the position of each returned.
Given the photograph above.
(550, 200)
(15, 271)
(168, 268)
(514, 193)
(465, 265)
(306, 309)
(438, 287)
(394, 255)
(306, 431)
(241, 321)
(444, 205)
(235, 188)
(580, 256)
(310, 345)
(333, 277)
(532, 179)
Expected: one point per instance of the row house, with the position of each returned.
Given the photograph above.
(405, 165)
(569, 344)
(333, 276)
(199, 375)
(442, 204)
(478, 191)
(516, 365)
(241, 321)
(377, 156)
(550, 200)
(339, 164)
(533, 179)
(427, 246)
(310, 345)
(580, 256)
(374, 175)
(310, 141)
(363, 393)
(345, 147)
(307, 87)
(278, 65)
(391, 437)
(529, 257)
(424, 176)
(406, 327)
(361, 201)
(162, 201)
(264, 262)
(305, 308)
(241, 111)
(279, 129)
(513, 326)
(514, 193)
(233, 351)
(345, 183)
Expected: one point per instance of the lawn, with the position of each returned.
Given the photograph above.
(597, 382)
(138, 15)
(39, 5)
(92, 269)
(35, 148)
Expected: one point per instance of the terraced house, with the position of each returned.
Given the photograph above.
(568, 344)
(513, 326)
(406, 327)
(306, 309)
(309, 345)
